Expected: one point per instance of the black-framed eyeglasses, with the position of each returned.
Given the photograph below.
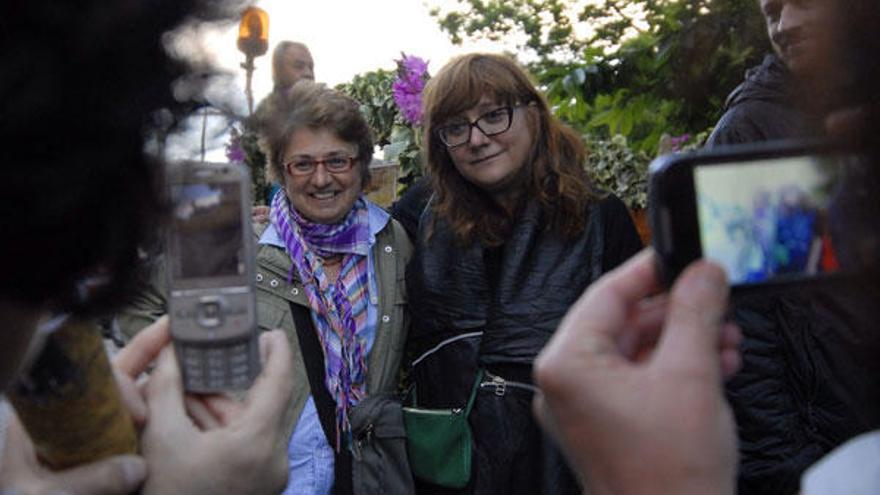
(490, 124)
(332, 164)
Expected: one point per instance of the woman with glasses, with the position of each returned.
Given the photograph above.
(330, 268)
(513, 234)
(331, 250)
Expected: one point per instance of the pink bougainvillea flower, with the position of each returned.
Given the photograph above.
(234, 151)
(412, 73)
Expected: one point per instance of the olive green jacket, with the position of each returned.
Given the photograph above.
(390, 253)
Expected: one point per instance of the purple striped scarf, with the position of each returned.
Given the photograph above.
(339, 309)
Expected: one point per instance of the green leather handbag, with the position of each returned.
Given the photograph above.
(439, 442)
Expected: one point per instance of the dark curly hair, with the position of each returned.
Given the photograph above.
(82, 81)
(555, 175)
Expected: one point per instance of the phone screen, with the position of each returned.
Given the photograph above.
(206, 234)
(770, 219)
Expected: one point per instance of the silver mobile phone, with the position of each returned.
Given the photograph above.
(210, 274)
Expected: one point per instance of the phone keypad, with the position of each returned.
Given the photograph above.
(213, 369)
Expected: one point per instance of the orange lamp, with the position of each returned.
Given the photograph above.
(253, 32)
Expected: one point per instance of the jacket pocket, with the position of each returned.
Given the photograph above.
(380, 465)
(269, 315)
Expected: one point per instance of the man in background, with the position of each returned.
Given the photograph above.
(291, 62)
(765, 106)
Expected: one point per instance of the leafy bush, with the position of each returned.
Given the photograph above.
(373, 91)
(617, 168)
(644, 68)
(398, 138)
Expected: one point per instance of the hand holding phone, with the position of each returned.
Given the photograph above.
(23, 467)
(244, 452)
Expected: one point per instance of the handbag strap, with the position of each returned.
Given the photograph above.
(313, 356)
(470, 402)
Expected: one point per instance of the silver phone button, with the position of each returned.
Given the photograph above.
(210, 313)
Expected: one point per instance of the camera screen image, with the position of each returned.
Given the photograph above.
(207, 232)
(770, 219)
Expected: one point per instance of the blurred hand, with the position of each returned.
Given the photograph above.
(260, 214)
(134, 359)
(21, 472)
(245, 451)
(241, 447)
(632, 384)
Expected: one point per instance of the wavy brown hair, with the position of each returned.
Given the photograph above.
(554, 175)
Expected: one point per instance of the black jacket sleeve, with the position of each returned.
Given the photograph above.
(408, 208)
(621, 238)
(757, 121)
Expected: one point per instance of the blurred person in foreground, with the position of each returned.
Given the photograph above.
(806, 365)
(513, 235)
(79, 87)
(635, 394)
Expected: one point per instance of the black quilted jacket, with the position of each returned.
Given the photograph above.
(515, 295)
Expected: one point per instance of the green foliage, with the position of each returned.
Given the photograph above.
(544, 24)
(397, 139)
(373, 91)
(615, 167)
(643, 118)
(256, 162)
(644, 69)
(405, 149)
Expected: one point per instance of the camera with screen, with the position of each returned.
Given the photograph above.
(768, 214)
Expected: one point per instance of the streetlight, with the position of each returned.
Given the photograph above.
(253, 41)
